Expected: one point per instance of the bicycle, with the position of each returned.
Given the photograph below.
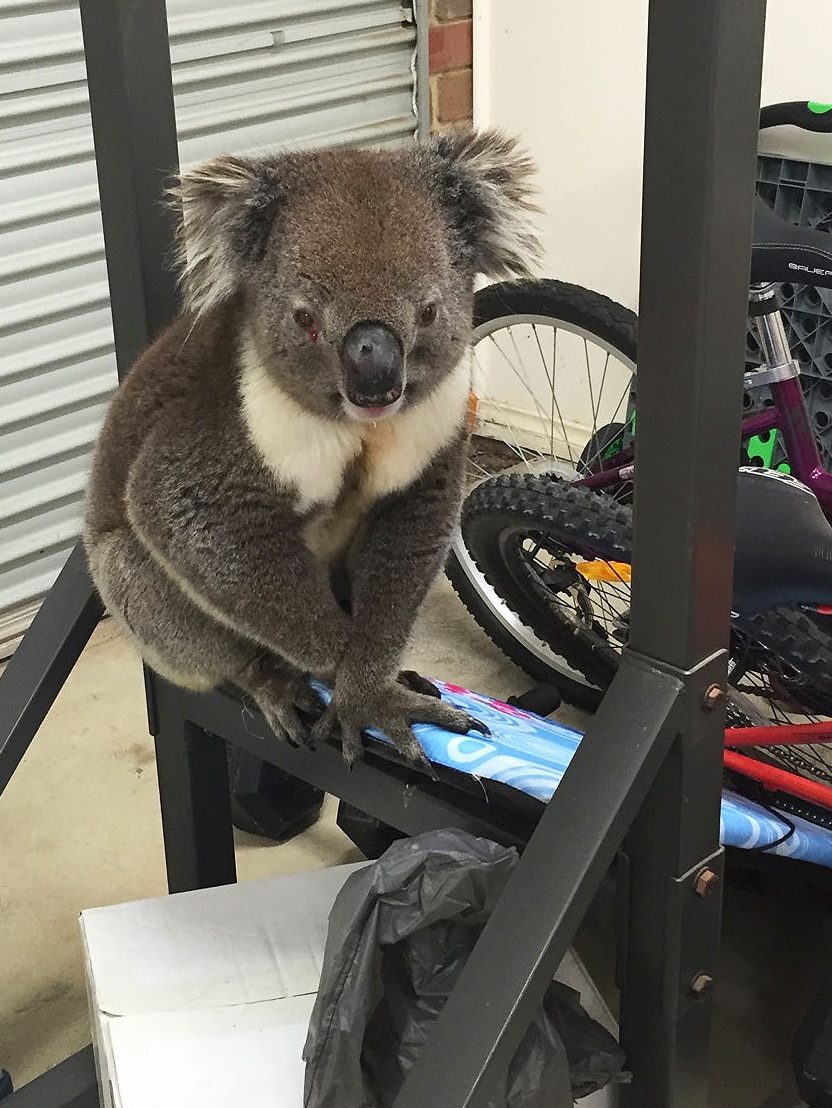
(542, 557)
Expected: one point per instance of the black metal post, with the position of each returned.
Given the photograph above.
(703, 79)
(703, 92)
(196, 807)
(702, 104)
(558, 875)
(131, 101)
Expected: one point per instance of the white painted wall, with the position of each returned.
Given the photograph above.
(568, 78)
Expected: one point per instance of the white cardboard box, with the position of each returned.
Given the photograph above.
(204, 998)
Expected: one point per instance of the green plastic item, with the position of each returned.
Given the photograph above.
(818, 108)
(762, 447)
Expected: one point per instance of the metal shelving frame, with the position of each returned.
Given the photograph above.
(643, 790)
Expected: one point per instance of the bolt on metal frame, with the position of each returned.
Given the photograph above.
(643, 790)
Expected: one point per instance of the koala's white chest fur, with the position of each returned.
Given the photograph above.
(338, 470)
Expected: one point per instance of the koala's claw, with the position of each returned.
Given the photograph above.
(475, 724)
(287, 724)
(327, 726)
(417, 683)
(330, 726)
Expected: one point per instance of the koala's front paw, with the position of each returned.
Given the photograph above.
(392, 709)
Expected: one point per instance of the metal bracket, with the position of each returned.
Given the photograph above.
(691, 922)
(763, 291)
(692, 900)
(768, 375)
(694, 912)
(701, 682)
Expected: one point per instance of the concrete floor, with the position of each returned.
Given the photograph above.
(79, 826)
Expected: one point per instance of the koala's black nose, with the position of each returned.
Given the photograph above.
(373, 366)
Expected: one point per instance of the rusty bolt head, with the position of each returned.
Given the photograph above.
(701, 985)
(707, 882)
(714, 696)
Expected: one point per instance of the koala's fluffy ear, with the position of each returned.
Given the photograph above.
(484, 183)
(227, 208)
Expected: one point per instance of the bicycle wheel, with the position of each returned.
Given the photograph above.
(553, 373)
(558, 557)
(554, 368)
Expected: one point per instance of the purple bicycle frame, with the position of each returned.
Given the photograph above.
(787, 414)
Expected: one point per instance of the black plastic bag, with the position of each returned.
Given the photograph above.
(400, 932)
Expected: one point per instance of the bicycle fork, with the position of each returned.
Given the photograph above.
(780, 371)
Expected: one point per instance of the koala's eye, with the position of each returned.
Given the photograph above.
(427, 315)
(304, 319)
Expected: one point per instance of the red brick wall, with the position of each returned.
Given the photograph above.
(451, 61)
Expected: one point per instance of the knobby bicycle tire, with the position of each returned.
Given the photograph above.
(592, 311)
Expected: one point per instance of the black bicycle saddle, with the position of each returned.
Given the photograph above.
(783, 252)
(783, 544)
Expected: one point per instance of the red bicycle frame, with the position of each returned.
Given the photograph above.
(772, 777)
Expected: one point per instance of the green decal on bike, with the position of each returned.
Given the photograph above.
(613, 447)
(818, 108)
(760, 451)
(617, 444)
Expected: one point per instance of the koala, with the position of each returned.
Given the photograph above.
(277, 480)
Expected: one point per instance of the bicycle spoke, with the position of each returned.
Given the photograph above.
(549, 376)
(551, 379)
(753, 672)
(480, 471)
(535, 550)
(592, 407)
(519, 375)
(603, 380)
(624, 396)
(522, 376)
(566, 438)
(514, 318)
(601, 599)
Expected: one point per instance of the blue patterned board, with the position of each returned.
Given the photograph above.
(531, 754)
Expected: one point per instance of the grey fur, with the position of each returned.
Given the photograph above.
(243, 521)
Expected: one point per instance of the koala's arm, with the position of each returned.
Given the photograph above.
(403, 550)
(235, 544)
